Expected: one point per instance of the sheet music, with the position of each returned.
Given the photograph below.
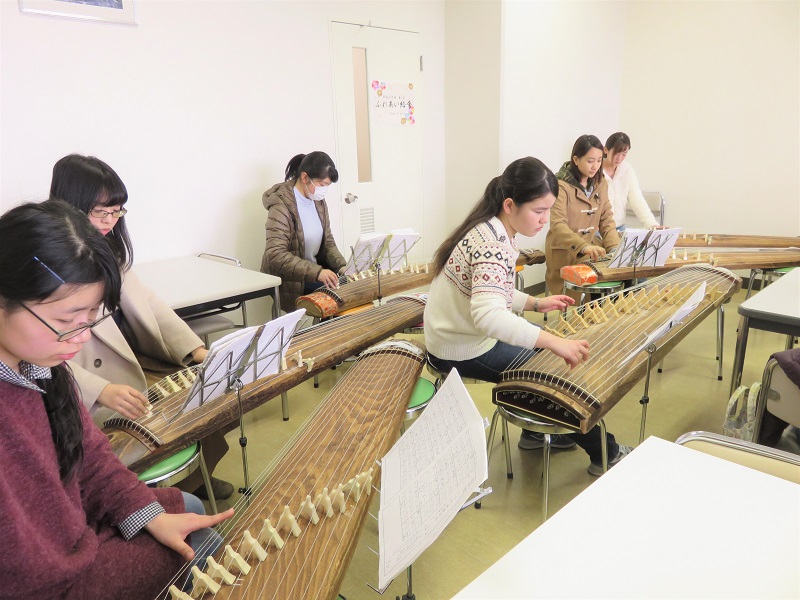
(241, 354)
(399, 244)
(367, 250)
(644, 247)
(428, 475)
(679, 315)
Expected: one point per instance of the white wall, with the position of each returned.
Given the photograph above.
(198, 109)
(711, 100)
(472, 102)
(562, 76)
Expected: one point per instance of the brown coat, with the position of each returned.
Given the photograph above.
(563, 244)
(160, 335)
(286, 245)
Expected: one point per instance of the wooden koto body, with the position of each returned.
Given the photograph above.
(546, 388)
(316, 494)
(723, 240)
(362, 288)
(140, 444)
(589, 273)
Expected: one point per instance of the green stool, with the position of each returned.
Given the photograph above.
(604, 288)
(177, 467)
(422, 394)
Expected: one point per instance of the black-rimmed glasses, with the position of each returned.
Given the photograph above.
(99, 213)
(68, 335)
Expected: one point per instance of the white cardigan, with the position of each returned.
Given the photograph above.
(624, 188)
(470, 301)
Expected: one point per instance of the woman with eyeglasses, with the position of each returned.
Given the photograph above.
(143, 331)
(582, 223)
(75, 522)
(300, 248)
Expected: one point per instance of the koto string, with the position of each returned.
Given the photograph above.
(303, 454)
(316, 337)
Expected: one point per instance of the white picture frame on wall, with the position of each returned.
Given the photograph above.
(109, 11)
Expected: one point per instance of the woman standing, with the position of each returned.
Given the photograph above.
(623, 185)
(300, 248)
(76, 523)
(469, 323)
(581, 213)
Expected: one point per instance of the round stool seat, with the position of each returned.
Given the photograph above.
(169, 465)
(524, 421)
(420, 396)
(783, 270)
(601, 287)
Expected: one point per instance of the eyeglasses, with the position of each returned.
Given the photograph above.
(68, 335)
(99, 213)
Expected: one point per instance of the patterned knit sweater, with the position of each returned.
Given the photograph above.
(470, 301)
(61, 541)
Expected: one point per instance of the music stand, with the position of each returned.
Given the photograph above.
(236, 360)
(381, 252)
(643, 247)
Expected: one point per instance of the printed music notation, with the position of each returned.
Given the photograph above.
(428, 476)
(640, 247)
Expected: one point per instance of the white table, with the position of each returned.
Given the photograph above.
(666, 522)
(776, 308)
(191, 285)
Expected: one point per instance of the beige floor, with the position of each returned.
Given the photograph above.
(685, 397)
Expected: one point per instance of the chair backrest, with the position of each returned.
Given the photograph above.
(782, 397)
(761, 458)
(656, 203)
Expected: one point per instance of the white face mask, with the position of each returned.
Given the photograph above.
(319, 193)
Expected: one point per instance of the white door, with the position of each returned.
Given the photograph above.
(377, 97)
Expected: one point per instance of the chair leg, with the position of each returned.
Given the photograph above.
(207, 482)
(545, 474)
(489, 443)
(316, 380)
(285, 405)
(750, 283)
(509, 471)
(603, 445)
(720, 339)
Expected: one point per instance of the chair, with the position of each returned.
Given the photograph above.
(767, 276)
(177, 467)
(778, 395)
(755, 456)
(422, 393)
(655, 202)
(518, 418)
(212, 321)
(603, 288)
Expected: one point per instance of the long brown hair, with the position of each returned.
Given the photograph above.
(524, 180)
(580, 148)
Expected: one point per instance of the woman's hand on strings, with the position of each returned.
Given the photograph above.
(574, 352)
(328, 278)
(558, 302)
(172, 529)
(593, 252)
(125, 400)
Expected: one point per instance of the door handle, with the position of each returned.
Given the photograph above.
(350, 198)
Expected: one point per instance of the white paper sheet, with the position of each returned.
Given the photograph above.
(679, 315)
(644, 247)
(229, 356)
(428, 475)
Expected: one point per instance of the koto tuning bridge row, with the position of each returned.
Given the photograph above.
(235, 563)
(413, 269)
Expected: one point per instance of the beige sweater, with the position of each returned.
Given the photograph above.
(470, 301)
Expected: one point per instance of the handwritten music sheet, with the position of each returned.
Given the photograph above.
(428, 476)
(677, 317)
(248, 354)
(650, 247)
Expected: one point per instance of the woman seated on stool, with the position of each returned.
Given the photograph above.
(469, 323)
(623, 186)
(300, 248)
(581, 212)
(76, 523)
(145, 333)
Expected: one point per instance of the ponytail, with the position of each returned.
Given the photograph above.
(524, 180)
(61, 404)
